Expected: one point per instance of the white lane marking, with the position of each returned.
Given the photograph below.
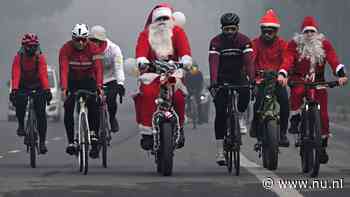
(13, 151)
(57, 138)
(263, 175)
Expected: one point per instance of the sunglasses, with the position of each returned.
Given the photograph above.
(268, 30)
(231, 28)
(80, 39)
(162, 18)
(309, 31)
(95, 40)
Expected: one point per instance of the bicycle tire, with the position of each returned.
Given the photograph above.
(270, 145)
(32, 139)
(305, 147)
(316, 137)
(166, 149)
(84, 145)
(237, 144)
(237, 160)
(103, 137)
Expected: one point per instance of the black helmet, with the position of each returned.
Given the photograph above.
(229, 19)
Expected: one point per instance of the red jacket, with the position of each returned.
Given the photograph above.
(299, 68)
(268, 57)
(79, 65)
(33, 75)
(180, 44)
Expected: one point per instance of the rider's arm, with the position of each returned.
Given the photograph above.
(289, 55)
(16, 73)
(43, 72)
(142, 48)
(97, 58)
(332, 59)
(64, 66)
(118, 65)
(214, 59)
(182, 46)
(248, 58)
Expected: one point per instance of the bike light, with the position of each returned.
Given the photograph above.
(202, 97)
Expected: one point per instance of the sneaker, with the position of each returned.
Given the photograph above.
(146, 142)
(71, 149)
(94, 152)
(284, 142)
(242, 124)
(294, 124)
(323, 156)
(42, 147)
(181, 142)
(220, 159)
(20, 131)
(114, 125)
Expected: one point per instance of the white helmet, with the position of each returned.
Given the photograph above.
(98, 32)
(80, 31)
(179, 18)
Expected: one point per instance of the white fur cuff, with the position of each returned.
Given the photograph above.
(340, 66)
(142, 60)
(186, 60)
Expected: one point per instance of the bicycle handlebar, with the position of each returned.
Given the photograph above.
(315, 85)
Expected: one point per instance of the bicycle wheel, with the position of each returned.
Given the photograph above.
(270, 145)
(84, 145)
(166, 149)
(229, 161)
(237, 144)
(103, 137)
(315, 132)
(32, 139)
(305, 147)
(236, 158)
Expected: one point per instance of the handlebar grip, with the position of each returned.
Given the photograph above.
(120, 99)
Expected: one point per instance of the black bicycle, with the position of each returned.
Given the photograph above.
(105, 127)
(232, 139)
(309, 135)
(83, 132)
(31, 133)
(267, 121)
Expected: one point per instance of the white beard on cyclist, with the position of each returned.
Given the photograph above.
(160, 38)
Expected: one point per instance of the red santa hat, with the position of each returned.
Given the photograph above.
(162, 9)
(309, 23)
(270, 19)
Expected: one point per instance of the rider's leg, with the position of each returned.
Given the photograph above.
(322, 98)
(282, 98)
(179, 99)
(296, 101)
(220, 102)
(199, 108)
(69, 123)
(40, 111)
(21, 103)
(94, 123)
(112, 105)
(243, 102)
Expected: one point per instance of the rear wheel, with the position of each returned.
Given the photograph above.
(166, 149)
(270, 145)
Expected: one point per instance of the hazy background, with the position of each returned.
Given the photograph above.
(52, 20)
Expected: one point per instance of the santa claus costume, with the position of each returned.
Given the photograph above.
(305, 58)
(160, 40)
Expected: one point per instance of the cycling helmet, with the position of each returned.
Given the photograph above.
(229, 19)
(30, 39)
(98, 32)
(80, 31)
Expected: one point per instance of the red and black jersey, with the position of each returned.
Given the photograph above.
(77, 65)
(228, 58)
(29, 72)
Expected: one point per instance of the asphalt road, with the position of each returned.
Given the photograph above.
(131, 171)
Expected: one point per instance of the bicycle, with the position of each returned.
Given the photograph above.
(31, 133)
(232, 138)
(309, 135)
(83, 134)
(105, 127)
(267, 121)
(192, 110)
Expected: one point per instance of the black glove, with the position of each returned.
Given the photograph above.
(48, 96)
(120, 89)
(13, 96)
(143, 66)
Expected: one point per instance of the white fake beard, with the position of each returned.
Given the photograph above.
(310, 48)
(160, 34)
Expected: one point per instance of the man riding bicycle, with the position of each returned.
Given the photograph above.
(113, 72)
(194, 83)
(29, 72)
(81, 68)
(161, 39)
(305, 59)
(230, 62)
(268, 56)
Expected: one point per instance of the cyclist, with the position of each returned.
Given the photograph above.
(268, 55)
(194, 84)
(29, 72)
(230, 59)
(306, 57)
(81, 68)
(161, 39)
(113, 71)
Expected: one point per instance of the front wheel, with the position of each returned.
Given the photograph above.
(166, 149)
(270, 145)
